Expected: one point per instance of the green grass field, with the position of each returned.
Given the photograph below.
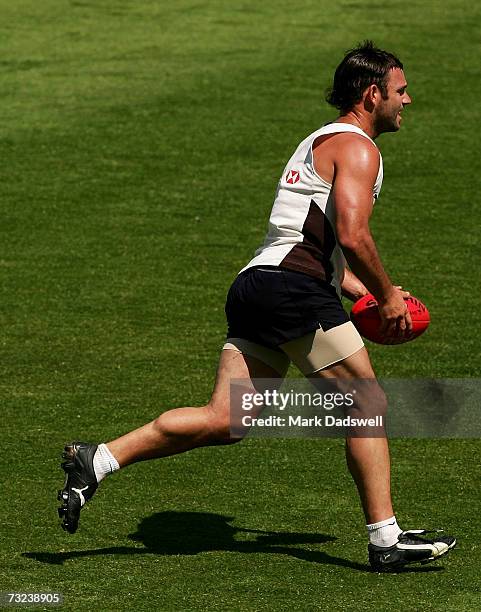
(140, 146)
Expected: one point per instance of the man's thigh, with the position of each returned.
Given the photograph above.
(245, 372)
(357, 366)
(320, 350)
(355, 373)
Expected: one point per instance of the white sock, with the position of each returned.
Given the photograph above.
(104, 462)
(384, 533)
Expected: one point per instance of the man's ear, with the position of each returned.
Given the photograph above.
(371, 97)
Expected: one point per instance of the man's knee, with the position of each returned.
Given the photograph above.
(219, 430)
(212, 424)
(368, 411)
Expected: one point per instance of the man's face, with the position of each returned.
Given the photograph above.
(388, 111)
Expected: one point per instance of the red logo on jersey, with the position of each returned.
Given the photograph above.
(292, 177)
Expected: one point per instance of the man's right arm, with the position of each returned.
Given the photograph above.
(356, 164)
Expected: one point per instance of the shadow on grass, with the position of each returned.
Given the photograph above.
(191, 533)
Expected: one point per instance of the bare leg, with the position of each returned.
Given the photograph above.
(182, 429)
(367, 458)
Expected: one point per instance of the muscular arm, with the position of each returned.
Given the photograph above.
(356, 164)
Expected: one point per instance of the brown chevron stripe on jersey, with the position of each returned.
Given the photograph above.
(312, 255)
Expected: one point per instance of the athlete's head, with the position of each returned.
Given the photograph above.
(372, 78)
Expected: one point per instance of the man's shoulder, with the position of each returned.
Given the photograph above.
(347, 150)
(356, 141)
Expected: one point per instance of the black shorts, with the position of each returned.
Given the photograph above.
(271, 306)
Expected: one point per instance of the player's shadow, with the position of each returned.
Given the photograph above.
(191, 533)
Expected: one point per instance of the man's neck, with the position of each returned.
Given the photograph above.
(359, 120)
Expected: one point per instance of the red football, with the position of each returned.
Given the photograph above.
(365, 316)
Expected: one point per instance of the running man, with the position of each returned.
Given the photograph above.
(285, 306)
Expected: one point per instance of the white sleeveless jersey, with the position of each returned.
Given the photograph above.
(302, 230)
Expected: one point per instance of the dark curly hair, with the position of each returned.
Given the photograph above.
(363, 66)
